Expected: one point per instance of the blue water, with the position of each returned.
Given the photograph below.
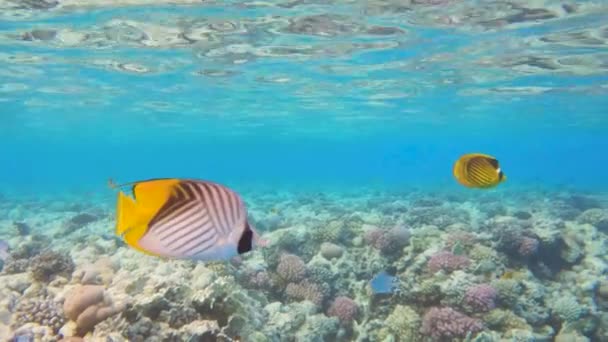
(318, 127)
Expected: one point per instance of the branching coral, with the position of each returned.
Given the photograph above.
(43, 311)
(447, 323)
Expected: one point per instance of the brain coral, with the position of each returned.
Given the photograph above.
(291, 268)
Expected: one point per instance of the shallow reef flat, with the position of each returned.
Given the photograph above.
(467, 266)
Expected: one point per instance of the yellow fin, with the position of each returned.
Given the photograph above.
(126, 213)
(133, 216)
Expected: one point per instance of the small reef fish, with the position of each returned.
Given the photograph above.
(476, 170)
(184, 219)
(383, 283)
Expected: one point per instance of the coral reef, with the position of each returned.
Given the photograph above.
(87, 305)
(344, 308)
(446, 267)
(447, 323)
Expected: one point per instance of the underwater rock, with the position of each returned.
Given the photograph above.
(595, 217)
(78, 222)
(522, 215)
(582, 202)
(269, 222)
(331, 251)
(88, 305)
(22, 228)
(602, 289)
(100, 272)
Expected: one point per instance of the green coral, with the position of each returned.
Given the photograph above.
(481, 253)
(508, 291)
(428, 292)
(504, 320)
(567, 309)
(404, 323)
(456, 287)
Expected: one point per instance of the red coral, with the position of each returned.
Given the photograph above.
(447, 324)
(481, 297)
(344, 308)
(447, 261)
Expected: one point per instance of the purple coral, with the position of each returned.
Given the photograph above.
(527, 246)
(480, 297)
(291, 268)
(447, 261)
(371, 236)
(344, 308)
(388, 241)
(447, 324)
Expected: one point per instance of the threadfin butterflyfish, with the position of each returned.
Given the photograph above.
(184, 219)
(476, 170)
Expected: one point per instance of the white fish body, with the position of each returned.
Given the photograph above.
(203, 221)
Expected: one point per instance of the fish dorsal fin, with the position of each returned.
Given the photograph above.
(153, 194)
(180, 195)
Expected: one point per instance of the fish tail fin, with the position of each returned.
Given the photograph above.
(126, 213)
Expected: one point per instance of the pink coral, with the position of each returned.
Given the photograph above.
(447, 324)
(344, 308)
(447, 261)
(480, 297)
(371, 236)
(291, 268)
(388, 241)
(465, 239)
(528, 246)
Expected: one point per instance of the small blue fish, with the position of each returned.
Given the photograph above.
(383, 283)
